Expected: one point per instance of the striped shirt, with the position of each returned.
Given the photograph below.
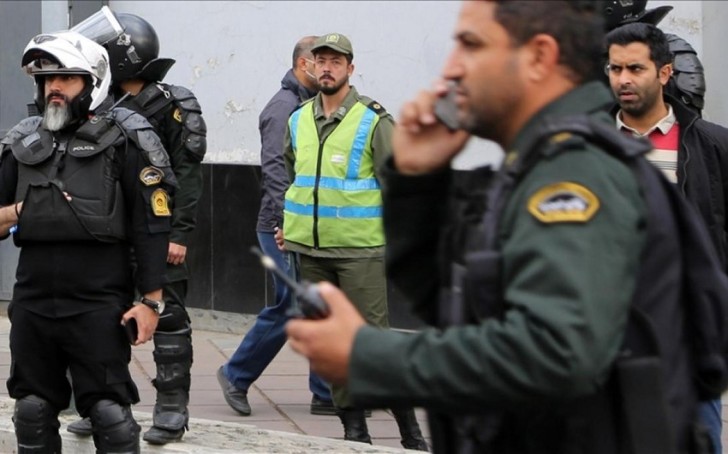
(665, 138)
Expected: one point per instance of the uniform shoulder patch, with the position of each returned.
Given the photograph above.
(563, 202)
(160, 203)
(177, 115)
(151, 175)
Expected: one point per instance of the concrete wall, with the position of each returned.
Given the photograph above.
(232, 54)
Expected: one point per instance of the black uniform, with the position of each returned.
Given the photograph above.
(74, 278)
(176, 115)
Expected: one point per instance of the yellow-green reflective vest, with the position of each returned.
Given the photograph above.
(335, 199)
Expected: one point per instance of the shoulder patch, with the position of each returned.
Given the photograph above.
(151, 175)
(160, 203)
(177, 115)
(563, 202)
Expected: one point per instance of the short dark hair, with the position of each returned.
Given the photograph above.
(647, 34)
(303, 47)
(576, 25)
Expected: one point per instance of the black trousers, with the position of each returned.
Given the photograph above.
(92, 346)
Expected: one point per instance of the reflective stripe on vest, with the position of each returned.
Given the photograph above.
(335, 199)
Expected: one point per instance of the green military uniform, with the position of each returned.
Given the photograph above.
(571, 236)
(359, 271)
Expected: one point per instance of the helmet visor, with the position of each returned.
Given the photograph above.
(101, 27)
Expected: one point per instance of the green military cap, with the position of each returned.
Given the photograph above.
(334, 41)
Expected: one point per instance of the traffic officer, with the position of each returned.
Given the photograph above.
(530, 290)
(176, 115)
(334, 148)
(77, 194)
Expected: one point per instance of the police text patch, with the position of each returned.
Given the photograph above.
(160, 203)
(151, 175)
(563, 202)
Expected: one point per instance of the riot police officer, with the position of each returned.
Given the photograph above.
(75, 196)
(174, 111)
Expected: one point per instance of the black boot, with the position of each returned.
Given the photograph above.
(409, 429)
(355, 425)
(173, 357)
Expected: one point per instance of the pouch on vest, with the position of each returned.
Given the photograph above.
(48, 217)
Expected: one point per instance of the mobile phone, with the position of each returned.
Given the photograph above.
(131, 329)
(446, 110)
(310, 304)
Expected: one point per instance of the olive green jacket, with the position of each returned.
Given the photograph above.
(567, 288)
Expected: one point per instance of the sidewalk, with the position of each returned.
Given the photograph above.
(280, 398)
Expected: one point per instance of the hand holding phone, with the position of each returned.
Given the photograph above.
(446, 110)
(131, 329)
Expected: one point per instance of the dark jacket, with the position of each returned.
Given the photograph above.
(272, 124)
(539, 377)
(702, 170)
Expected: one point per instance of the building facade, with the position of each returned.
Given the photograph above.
(232, 55)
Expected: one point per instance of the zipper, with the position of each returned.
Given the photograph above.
(687, 158)
(319, 159)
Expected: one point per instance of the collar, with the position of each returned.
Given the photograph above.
(351, 98)
(664, 124)
(290, 82)
(586, 98)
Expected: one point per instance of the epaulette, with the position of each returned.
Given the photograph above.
(374, 106)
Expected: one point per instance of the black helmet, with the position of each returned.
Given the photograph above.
(620, 12)
(131, 42)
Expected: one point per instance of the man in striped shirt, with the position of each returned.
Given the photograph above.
(691, 152)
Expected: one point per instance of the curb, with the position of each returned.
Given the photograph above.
(207, 437)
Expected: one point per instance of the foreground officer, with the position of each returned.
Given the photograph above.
(75, 196)
(174, 112)
(533, 296)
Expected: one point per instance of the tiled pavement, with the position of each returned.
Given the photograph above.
(280, 398)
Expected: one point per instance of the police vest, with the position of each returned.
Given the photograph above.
(85, 165)
(335, 199)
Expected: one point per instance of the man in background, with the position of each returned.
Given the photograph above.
(267, 336)
(691, 152)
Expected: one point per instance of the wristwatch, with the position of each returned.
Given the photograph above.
(156, 306)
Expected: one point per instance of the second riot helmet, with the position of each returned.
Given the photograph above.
(131, 42)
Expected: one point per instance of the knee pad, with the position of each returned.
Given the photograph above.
(174, 318)
(115, 430)
(36, 426)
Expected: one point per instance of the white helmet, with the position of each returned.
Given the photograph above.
(69, 52)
